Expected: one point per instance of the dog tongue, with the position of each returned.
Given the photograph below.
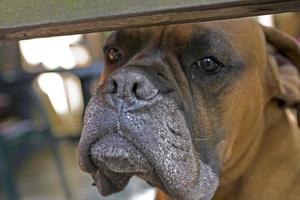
(103, 184)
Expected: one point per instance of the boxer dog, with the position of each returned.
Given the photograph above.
(198, 110)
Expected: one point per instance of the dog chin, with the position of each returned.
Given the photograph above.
(117, 160)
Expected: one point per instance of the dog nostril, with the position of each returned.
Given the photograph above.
(144, 91)
(134, 88)
(129, 84)
(114, 87)
(111, 87)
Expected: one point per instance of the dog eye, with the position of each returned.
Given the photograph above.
(113, 55)
(208, 64)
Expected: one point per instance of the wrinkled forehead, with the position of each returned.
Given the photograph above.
(236, 31)
(240, 36)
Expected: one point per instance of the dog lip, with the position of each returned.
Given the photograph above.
(107, 167)
(104, 185)
(85, 162)
(110, 180)
(119, 155)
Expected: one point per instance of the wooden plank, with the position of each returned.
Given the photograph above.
(21, 19)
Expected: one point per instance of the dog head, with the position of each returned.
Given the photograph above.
(178, 105)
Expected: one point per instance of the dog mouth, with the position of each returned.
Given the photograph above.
(119, 155)
(117, 160)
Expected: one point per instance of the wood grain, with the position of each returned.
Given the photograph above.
(21, 19)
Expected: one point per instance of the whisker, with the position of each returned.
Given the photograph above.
(203, 139)
(196, 152)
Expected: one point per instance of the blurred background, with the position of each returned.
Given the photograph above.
(44, 86)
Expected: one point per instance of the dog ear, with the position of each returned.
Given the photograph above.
(284, 53)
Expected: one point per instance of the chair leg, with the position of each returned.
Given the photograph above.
(6, 175)
(60, 168)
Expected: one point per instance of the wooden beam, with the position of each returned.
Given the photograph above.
(21, 19)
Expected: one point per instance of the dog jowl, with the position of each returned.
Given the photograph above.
(174, 104)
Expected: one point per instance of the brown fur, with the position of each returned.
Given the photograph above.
(261, 155)
(258, 151)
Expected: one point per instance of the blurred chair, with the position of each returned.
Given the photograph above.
(22, 135)
(28, 122)
(62, 99)
(6, 174)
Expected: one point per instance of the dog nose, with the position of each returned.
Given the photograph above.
(130, 82)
